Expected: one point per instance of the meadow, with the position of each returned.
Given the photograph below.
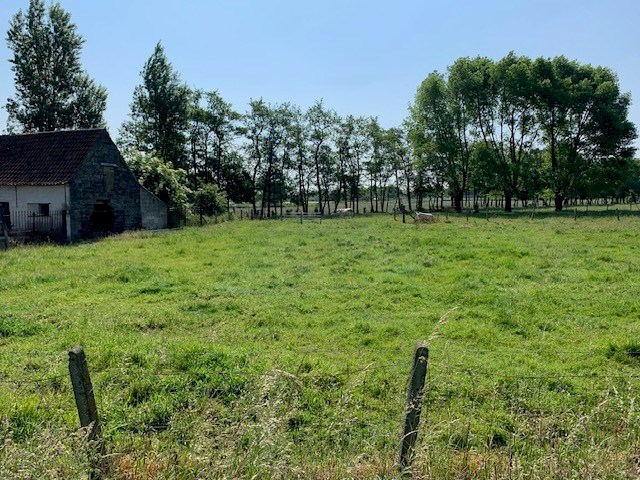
(271, 349)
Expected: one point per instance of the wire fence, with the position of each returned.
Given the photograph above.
(205, 398)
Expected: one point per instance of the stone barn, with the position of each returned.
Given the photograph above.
(70, 185)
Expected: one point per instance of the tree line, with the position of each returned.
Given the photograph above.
(516, 127)
(522, 127)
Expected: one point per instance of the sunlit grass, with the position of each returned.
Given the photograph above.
(282, 350)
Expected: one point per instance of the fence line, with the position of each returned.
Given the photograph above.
(30, 222)
(382, 430)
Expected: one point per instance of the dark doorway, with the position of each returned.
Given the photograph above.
(6, 215)
(102, 218)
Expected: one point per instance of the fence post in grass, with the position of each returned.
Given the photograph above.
(413, 407)
(87, 410)
(575, 214)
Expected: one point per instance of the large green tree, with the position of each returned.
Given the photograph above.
(583, 116)
(321, 123)
(159, 113)
(53, 92)
(500, 98)
(440, 133)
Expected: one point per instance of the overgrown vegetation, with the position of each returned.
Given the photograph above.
(281, 350)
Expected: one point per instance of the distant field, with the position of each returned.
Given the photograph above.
(278, 350)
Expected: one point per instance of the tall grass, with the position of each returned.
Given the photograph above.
(278, 350)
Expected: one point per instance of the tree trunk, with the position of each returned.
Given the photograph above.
(507, 201)
(559, 202)
(457, 201)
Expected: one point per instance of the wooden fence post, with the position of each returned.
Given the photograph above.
(87, 410)
(413, 406)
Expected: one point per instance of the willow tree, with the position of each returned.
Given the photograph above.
(583, 116)
(439, 132)
(499, 97)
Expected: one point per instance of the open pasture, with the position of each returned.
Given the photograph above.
(279, 350)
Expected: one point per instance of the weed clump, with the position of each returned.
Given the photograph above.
(628, 353)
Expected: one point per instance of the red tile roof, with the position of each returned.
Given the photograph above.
(48, 158)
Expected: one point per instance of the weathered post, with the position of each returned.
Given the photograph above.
(575, 214)
(618, 214)
(87, 410)
(413, 406)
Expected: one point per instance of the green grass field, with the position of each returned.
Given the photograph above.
(278, 350)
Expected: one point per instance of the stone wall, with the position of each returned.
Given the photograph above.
(88, 189)
(153, 210)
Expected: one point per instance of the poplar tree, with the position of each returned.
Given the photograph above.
(159, 113)
(53, 92)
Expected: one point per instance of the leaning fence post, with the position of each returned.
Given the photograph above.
(87, 409)
(413, 406)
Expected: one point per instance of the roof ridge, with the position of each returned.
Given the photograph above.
(73, 130)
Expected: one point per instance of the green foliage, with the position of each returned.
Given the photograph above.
(208, 200)
(583, 116)
(159, 113)
(213, 127)
(52, 90)
(519, 126)
(161, 179)
(14, 327)
(440, 134)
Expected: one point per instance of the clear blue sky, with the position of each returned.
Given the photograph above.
(361, 57)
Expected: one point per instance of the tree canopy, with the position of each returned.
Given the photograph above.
(159, 112)
(530, 124)
(516, 127)
(52, 90)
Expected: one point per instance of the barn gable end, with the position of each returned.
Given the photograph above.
(73, 183)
